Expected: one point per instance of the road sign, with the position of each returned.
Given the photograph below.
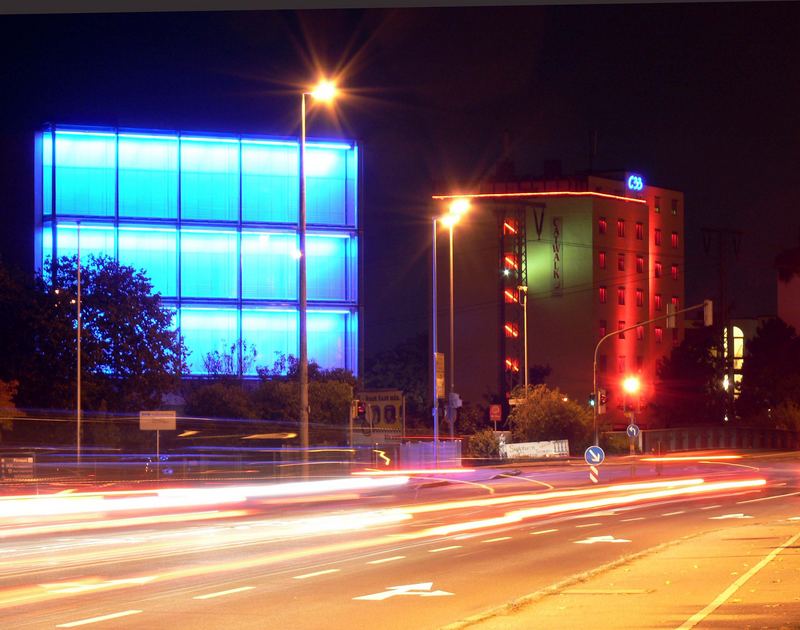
(594, 474)
(632, 431)
(495, 413)
(594, 455)
(157, 420)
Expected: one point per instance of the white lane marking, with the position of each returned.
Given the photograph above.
(382, 560)
(692, 621)
(491, 540)
(724, 516)
(83, 622)
(777, 496)
(589, 525)
(543, 531)
(444, 548)
(628, 520)
(674, 513)
(464, 536)
(794, 518)
(315, 574)
(221, 593)
(423, 589)
(601, 539)
(710, 507)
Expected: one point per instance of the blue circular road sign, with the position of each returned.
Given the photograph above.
(632, 431)
(594, 455)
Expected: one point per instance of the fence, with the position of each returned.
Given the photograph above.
(687, 439)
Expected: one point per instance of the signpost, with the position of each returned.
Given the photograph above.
(495, 414)
(157, 421)
(594, 456)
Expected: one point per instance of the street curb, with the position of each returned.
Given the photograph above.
(516, 605)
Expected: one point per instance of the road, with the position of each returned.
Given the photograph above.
(431, 551)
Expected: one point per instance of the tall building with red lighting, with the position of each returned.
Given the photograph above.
(597, 253)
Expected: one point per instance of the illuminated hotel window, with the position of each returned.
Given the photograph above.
(325, 186)
(602, 294)
(640, 264)
(658, 301)
(659, 334)
(639, 333)
(209, 263)
(621, 364)
(511, 296)
(210, 178)
(620, 262)
(658, 269)
(270, 182)
(674, 239)
(639, 361)
(621, 296)
(657, 236)
(603, 328)
(208, 330)
(639, 297)
(270, 332)
(269, 265)
(657, 205)
(620, 326)
(86, 173)
(674, 272)
(511, 329)
(148, 176)
(675, 337)
(639, 231)
(601, 260)
(155, 250)
(674, 207)
(327, 336)
(676, 302)
(620, 227)
(602, 225)
(602, 363)
(97, 240)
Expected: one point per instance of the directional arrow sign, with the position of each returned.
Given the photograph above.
(423, 589)
(601, 539)
(594, 455)
(724, 516)
(632, 430)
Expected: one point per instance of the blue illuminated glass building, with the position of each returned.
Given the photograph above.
(213, 221)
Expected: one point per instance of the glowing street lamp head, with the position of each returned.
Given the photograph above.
(631, 384)
(324, 91)
(449, 220)
(459, 206)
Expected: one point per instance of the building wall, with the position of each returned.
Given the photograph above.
(212, 220)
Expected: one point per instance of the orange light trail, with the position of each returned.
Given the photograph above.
(417, 471)
(689, 458)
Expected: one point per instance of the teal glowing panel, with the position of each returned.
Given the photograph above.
(209, 263)
(86, 173)
(210, 179)
(326, 267)
(206, 331)
(47, 173)
(326, 177)
(327, 338)
(148, 176)
(271, 333)
(269, 266)
(154, 251)
(270, 182)
(95, 240)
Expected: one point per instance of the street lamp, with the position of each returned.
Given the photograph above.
(324, 91)
(78, 367)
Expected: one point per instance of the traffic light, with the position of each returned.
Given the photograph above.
(592, 400)
(361, 410)
(708, 313)
(602, 401)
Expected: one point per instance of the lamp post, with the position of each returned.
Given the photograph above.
(78, 374)
(523, 289)
(324, 91)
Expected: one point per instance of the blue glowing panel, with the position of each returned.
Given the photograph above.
(47, 173)
(148, 176)
(209, 263)
(634, 182)
(85, 173)
(352, 343)
(269, 266)
(326, 267)
(209, 330)
(47, 242)
(210, 179)
(326, 178)
(270, 332)
(153, 250)
(270, 184)
(327, 338)
(352, 186)
(96, 240)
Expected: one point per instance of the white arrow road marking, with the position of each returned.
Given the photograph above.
(231, 591)
(423, 589)
(737, 515)
(601, 539)
(83, 622)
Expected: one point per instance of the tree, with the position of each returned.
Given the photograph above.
(544, 414)
(483, 445)
(405, 367)
(8, 410)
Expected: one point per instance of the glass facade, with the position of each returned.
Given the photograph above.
(212, 221)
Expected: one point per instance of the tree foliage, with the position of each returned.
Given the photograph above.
(404, 367)
(8, 411)
(483, 445)
(545, 415)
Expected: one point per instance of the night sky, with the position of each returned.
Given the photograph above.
(700, 98)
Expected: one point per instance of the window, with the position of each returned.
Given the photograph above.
(658, 269)
(601, 260)
(209, 264)
(511, 329)
(659, 332)
(602, 361)
(674, 207)
(602, 294)
(208, 330)
(675, 337)
(639, 231)
(621, 364)
(657, 236)
(603, 328)
(621, 227)
(620, 327)
(326, 174)
(511, 296)
(639, 333)
(620, 262)
(640, 264)
(269, 331)
(326, 334)
(621, 296)
(602, 225)
(674, 272)
(148, 176)
(639, 362)
(639, 297)
(210, 179)
(675, 240)
(269, 269)
(86, 173)
(269, 182)
(658, 301)
(327, 263)
(153, 249)
(657, 205)
(676, 302)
